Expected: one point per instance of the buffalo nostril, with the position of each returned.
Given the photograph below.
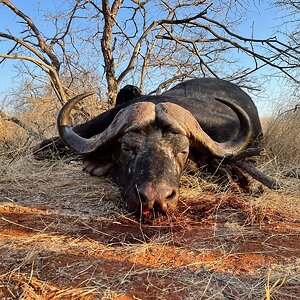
(160, 198)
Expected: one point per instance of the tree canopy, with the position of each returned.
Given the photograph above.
(151, 43)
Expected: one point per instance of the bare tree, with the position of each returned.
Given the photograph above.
(42, 53)
(291, 9)
(144, 40)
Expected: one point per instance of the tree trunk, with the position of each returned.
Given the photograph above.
(109, 63)
(113, 88)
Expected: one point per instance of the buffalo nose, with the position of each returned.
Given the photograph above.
(161, 198)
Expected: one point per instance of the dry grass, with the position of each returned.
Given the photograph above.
(14, 141)
(66, 235)
(282, 139)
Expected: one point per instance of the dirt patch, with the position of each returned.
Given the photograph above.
(55, 252)
(62, 242)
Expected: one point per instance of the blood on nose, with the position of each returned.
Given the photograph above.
(157, 197)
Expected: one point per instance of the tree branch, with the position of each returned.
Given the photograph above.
(42, 44)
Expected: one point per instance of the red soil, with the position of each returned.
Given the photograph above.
(48, 252)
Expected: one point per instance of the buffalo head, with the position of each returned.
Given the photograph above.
(146, 147)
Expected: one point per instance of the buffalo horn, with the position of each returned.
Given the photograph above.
(141, 114)
(132, 117)
(181, 118)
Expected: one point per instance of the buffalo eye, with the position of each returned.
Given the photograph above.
(182, 157)
(184, 152)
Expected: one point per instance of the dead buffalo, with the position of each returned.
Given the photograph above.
(146, 141)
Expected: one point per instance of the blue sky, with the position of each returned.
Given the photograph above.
(264, 19)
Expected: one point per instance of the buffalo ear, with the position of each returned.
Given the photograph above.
(97, 166)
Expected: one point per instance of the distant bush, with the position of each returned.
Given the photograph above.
(13, 139)
(35, 120)
(282, 140)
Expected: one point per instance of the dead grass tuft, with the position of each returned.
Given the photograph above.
(64, 186)
(14, 141)
(33, 288)
(282, 140)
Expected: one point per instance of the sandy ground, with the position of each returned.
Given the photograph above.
(65, 235)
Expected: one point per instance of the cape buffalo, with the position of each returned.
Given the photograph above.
(145, 141)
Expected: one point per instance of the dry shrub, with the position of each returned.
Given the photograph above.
(282, 139)
(14, 140)
(37, 116)
(31, 120)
